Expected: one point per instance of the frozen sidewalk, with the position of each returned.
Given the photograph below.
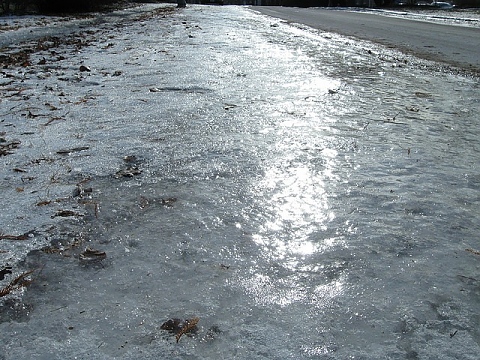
(299, 194)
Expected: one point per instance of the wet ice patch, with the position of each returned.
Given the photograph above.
(210, 165)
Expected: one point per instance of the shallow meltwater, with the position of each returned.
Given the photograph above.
(224, 184)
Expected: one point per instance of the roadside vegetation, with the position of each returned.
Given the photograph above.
(56, 6)
(21, 7)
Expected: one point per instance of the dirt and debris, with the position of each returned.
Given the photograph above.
(84, 68)
(24, 236)
(475, 252)
(5, 271)
(72, 150)
(21, 281)
(128, 172)
(181, 327)
(67, 247)
(67, 213)
(283, 150)
(92, 255)
(6, 148)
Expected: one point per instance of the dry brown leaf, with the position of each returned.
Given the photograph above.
(187, 327)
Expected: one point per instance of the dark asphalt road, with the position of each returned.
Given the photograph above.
(454, 45)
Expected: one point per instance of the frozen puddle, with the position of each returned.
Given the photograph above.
(303, 195)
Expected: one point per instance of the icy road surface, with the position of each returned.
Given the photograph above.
(304, 195)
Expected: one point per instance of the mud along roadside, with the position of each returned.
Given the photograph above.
(44, 201)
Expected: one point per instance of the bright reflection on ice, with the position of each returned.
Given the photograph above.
(267, 291)
(324, 293)
(298, 206)
(294, 192)
(300, 170)
(318, 84)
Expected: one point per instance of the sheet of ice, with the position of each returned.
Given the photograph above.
(304, 195)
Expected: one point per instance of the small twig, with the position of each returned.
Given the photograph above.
(75, 149)
(409, 150)
(15, 237)
(14, 94)
(476, 252)
(66, 213)
(31, 115)
(60, 308)
(87, 179)
(16, 283)
(393, 120)
(52, 120)
(56, 118)
(467, 278)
